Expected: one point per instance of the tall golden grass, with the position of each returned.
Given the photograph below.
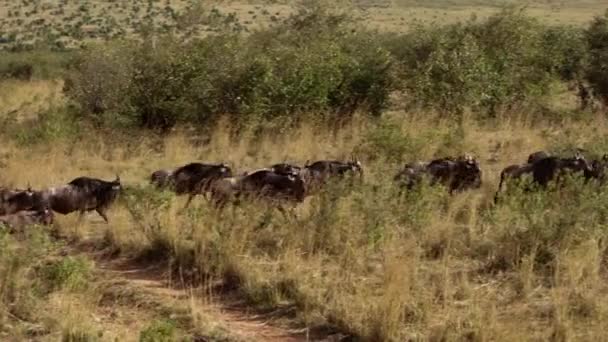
(424, 266)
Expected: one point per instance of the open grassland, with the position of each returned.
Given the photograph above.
(366, 261)
(369, 261)
(69, 23)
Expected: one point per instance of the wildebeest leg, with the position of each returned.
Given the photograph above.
(102, 213)
(502, 179)
(190, 197)
(287, 213)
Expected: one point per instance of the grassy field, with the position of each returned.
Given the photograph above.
(366, 262)
(422, 267)
(68, 23)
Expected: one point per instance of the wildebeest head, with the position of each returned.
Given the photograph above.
(468, 173)
(356, 166)
(161, 178)
(12, 201)
(598, 168)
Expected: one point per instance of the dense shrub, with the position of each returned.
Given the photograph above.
(597, 72)
(279, 73)
(484, 66)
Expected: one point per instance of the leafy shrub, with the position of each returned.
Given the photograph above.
(158, 331)
(71, 273)
(597, 73)
(485, 66)
(388, 141)
(278, 73)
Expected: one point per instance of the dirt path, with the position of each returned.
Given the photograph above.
(227, 314)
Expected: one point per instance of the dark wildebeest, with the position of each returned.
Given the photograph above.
(22, 219)
(12, 201)
(598, 167)
(191, 179)
(81, 194)
(456, 174)
(552, 168)
(262, 184)
(517, 171)
(319, 172)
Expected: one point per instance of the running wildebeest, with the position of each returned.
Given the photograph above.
(191, 179)
(12, 201)
(552, 168)
(81, 194)
(316, 174)
(456, 174)
(264, 184)
(517, 171)
(24, 218)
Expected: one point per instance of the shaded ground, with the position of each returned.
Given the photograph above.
(213, 317)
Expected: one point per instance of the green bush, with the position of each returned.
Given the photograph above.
(70, 273)
(275, 74)
(597, 72)
(484, 66)
(158, 331)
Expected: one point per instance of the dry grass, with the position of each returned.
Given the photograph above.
(364, 263)
(25, 99)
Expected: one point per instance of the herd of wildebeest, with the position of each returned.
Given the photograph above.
(279, 184)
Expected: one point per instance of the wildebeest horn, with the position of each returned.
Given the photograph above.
(307, 163)
(117, 178)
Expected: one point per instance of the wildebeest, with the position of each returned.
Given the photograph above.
(456, 174)
(12, 201)
(517, 171)
(191, 179)
(552, 168)
(316, 174)
(81, 194)
(266, 185)
(24, 218)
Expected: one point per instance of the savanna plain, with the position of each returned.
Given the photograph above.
(126, 88)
